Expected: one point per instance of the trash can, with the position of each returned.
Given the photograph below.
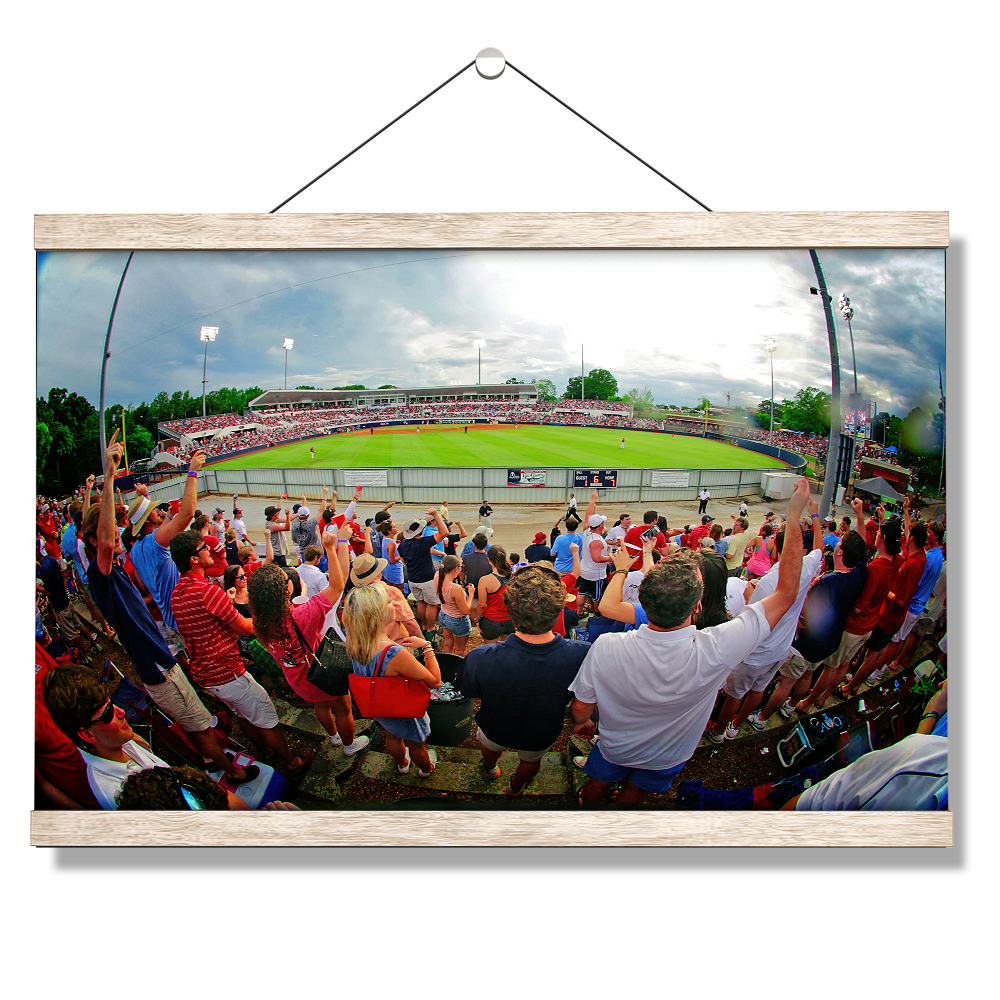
(451, 722)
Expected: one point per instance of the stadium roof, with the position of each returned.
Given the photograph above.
(290, 397)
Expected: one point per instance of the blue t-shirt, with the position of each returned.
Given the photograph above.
(157, 571)
(124, 609)
(640, 617)
(831, 539)
(524, 688)
(70, 551)
(932, 570)
(562, 558)
(469, 548)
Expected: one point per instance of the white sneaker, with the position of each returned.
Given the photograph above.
(426, 774)
(876, 677)
(731, 733)
(360, 742)
(754, 719)
(336, 740)
(579, 762)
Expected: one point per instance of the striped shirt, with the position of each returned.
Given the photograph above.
(203, 613)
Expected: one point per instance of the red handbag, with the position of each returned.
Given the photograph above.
(389, 697)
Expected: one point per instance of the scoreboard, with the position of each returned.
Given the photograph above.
(605, 479)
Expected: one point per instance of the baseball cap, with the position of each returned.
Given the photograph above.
(482, 529)
(218, 510)
(539, 537)
(596, 520)
(295, 508)
(270, 511)
(705, 519)
(303, 511)
(237, 512)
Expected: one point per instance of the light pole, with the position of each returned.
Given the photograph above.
(848, 313)
(207, 335)
(770, 345)
(830, 474)
(479, 345)
(287, 344)
(582, 377)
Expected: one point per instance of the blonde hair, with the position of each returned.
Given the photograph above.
(367, 611)
(230, 534)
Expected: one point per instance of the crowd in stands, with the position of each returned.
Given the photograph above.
(682, 623)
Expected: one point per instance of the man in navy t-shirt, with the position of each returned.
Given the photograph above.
(524, 681)
(415, 551)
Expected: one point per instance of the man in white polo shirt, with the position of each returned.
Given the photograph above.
(655, 686)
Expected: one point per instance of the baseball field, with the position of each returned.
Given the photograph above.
(526, 446)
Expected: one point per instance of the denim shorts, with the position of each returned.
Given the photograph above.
(456, 626)
(650, 781)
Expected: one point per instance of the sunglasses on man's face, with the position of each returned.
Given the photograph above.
(105, 717)
(201, 548)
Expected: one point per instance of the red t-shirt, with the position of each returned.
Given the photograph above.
(871, 533)
(905, 586)
(218, 552)
(290, 655)
(57, 759)
(251, 567)
(880, 577)
(203, 613)
(633, 542)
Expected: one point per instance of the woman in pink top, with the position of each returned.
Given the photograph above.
(292, 633)
(456, 603)
(763, 552)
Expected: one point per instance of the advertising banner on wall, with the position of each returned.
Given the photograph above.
(366, 477)
(670, 478)
(525, 477)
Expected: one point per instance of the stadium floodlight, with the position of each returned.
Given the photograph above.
(771, 345)
(207, 335)
(287, 344)
(479, 345)
(847, 311)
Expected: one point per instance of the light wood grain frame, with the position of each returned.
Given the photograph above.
(776, 230)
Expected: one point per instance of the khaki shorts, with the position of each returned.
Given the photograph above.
(180, 701)
(849, 645)
(528, 756)
(904, 630)
(248, 700)
(173, 638)
(425, 592)
(68, 623)
(743, 678)
(794, 667)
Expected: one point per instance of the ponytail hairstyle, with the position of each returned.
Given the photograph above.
(447, 565)
(497, 556)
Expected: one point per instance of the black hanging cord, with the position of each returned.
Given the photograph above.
(606, 136)
(369, 139)
(528, 78)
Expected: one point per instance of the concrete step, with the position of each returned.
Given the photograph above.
(460, 770)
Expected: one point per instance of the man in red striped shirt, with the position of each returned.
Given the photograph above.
(210, 624)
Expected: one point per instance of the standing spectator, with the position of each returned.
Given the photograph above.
(217, 549)
(239, 527)
(571, 507)
(928, 581)
(561, 555)
(486, 514)
(523, 683)
(372, 653)
(744, 509)
(275, 528)
(655, 686)
(538, 550)
(737, 545)
(616, 535)
(305, 529)
(880, 576)
(637, 532)
(415, 552)
(702, 531)
(456, 603)
(313, 578)
(218, 528)
(491, 613)
(150, 555)
(389, 551)
(482, 530)
(210, 624)
(292, 633)
(762, 553)
(594, 558)
(703, 497)
(476, 564)
(366, 571)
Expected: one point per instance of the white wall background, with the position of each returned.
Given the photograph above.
(225, 107)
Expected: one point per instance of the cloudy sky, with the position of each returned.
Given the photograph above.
(683, 323)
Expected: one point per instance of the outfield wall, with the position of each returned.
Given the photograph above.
(469, 485)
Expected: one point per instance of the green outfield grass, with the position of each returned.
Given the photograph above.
(525, 447)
